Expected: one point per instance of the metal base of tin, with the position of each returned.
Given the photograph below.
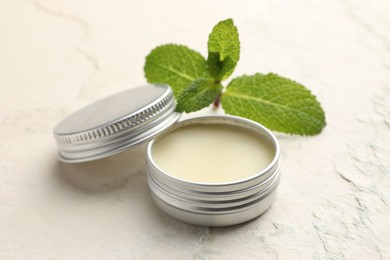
(218, 219)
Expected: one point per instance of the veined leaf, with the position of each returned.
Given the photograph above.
(224, 50)
(175, 65)
(199, 94)
(276, 102)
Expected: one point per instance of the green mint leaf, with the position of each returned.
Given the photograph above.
(175, 65)
(199, 94)
(224, 50)
(276, 102)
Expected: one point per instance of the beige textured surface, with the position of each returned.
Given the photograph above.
(56, 56)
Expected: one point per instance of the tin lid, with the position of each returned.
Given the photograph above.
(115, 123)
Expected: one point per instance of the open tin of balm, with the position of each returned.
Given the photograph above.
(214, 170)
(209, 171)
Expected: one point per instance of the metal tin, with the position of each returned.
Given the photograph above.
(115, 123)
(213, 204)
(138, 115)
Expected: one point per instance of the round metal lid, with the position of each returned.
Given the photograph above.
(115, 123)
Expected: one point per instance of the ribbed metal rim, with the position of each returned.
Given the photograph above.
(221, 212)
(213, 203)
(215, 196)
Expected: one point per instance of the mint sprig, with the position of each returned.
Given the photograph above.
(278, 103)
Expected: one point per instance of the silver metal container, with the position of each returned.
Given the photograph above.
(115, 123)
(211, 204)
(138, 115)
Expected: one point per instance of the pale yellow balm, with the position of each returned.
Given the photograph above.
(212, 153)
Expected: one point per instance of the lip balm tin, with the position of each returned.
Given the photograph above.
(139, 115)
(215, 204)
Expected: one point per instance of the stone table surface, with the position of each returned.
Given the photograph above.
(57, 56)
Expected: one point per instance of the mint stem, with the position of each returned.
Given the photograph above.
(217, 101)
